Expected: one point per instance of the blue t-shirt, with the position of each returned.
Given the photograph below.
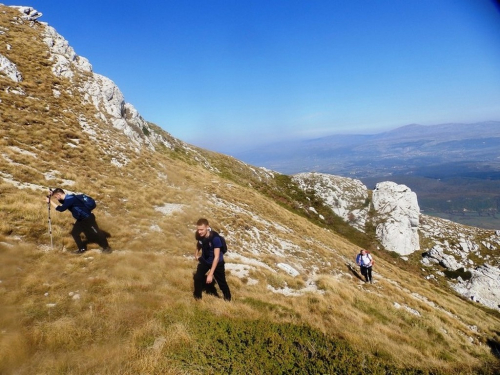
(75, 206)
(208, 245)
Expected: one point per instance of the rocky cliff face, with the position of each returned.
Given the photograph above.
(96, 90)
(467, 257)
(396, 211)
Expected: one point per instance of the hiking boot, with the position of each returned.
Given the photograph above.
(80, 251)
(107, 250)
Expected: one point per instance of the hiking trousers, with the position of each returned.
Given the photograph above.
(89, 227)
(367, 273)
(200, 279)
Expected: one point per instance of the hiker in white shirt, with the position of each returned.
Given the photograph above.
(365, 262)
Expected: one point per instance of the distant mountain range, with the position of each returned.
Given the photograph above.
(411, 149)
(453, 168)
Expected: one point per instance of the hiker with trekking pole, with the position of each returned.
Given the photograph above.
(80, 206)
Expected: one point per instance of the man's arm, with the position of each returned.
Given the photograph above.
(210, 276)
(68, 202)
(52, 203)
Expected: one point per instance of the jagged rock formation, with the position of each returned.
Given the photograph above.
(482, 287)
(395, 206)
(95, 90)
(101, 92)
(471, 253)
(8, 68)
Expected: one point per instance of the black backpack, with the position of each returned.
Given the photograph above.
(222, 240)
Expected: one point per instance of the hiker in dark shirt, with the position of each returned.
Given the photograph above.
(85, 220)
(210, 262)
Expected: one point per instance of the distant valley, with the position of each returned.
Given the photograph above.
(453, 168)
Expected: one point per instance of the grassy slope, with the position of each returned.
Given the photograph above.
(135, 313)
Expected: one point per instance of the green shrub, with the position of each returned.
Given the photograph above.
(230, 346)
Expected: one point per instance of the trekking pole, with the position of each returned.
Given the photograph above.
(50, 222)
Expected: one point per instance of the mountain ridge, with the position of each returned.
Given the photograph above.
(454, 163)
(413, 136)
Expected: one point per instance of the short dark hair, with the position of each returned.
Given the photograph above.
(58, 190)
(202, 221)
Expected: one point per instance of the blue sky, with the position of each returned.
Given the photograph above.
(230, 75)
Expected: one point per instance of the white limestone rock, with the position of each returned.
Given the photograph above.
(28, 13)
(438, 255)
(101, 91)
(63, 55)
(8, 68)
(346, 197)
(98, 90)
(398, 217)
(483, 286)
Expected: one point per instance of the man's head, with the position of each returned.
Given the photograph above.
(202, 227)
(58, 193)
(362, 252)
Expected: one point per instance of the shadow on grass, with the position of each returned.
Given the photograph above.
(494, 346)
(354, 271)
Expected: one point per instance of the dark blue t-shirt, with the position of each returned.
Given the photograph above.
(75, 206)
(208, 245)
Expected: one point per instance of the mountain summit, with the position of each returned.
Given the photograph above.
(299, 303)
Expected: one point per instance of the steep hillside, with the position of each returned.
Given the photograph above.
(461, 257)
(299, 303)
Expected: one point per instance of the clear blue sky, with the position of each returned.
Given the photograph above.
(232, 74)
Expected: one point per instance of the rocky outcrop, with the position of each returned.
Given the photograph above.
(437, 255)
(8, 68)
(397, 217)
(396, 207)
(28, 13)
(347, 197)
(482, 287)
(63, 55)
(96, 89)
(472, 251)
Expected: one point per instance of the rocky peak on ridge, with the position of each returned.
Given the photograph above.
(96, 90)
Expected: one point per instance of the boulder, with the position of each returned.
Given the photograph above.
(397, 217)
